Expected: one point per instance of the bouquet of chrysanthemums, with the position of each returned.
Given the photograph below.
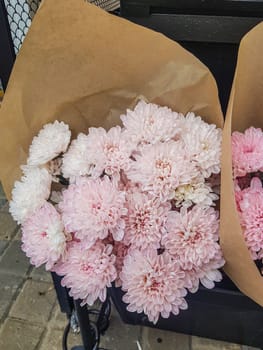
(247, 157)
(134, 205)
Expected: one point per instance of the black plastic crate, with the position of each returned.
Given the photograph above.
(221, 313)
(236, 8)
(210, 29)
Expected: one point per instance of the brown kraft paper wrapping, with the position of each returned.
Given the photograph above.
(84, 66)
(245, 109)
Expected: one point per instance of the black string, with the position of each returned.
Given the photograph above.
(65, 337)
(67, 331)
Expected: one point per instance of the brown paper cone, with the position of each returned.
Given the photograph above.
(84, 66)
(245, 109)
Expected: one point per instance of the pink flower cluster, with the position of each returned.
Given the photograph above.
(138, 209)
(247, 159)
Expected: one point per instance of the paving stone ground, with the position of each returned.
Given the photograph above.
(30, 318)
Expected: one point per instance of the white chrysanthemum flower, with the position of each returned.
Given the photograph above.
(189, 123)
(75, 160)
(203, 145)
(149, 123)
(197, 192)
(51, 140)
(30, 193)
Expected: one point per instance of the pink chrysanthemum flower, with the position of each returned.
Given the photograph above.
(88, 272)
(208, 274)
(145, 220)
(153, 283)
(43, 237)
(203, 146)
(108, 152)
(247, 150)
(30, 193)
(247, 184)
(51, 141)
(254, 187)
(149, 123)
(250, 204)
(93, 208)
(192, 236)
(161, 168)
(75, 160)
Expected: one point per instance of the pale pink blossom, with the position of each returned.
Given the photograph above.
(149, 123)
(207, 274)
(192, 241)
(108, 152)
(154, 284)
(255, 187)
(43, 237)
(250, 205)
(93, 208)
(51, 141)
(144, 220)
(247, 150)
(192, 236)
(88, 272)
(161, 168)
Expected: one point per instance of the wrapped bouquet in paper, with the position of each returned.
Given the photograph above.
(117, 175)
(242, 193)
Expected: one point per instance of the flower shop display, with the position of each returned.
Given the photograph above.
(88, 84)
(134, 205)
